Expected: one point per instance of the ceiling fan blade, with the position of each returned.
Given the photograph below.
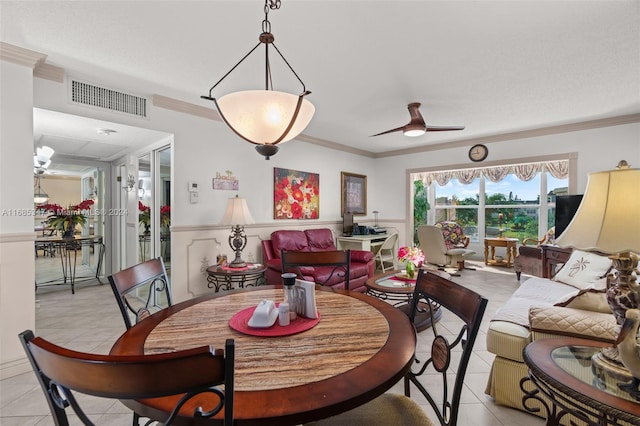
(399, 129)
(443, 128)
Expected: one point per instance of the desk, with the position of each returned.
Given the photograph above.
(511, 245)
(561, 370)
(68, 260)
(385, 287)
(225, 278)
(338, 365)
(361, 242)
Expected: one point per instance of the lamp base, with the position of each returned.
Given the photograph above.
(237, 263)
(607, 362)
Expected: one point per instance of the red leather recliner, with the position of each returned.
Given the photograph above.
(362, 264)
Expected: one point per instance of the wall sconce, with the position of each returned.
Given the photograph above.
(130, 183)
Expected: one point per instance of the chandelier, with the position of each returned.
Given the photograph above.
(265, 117)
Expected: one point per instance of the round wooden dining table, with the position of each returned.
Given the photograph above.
(359, 349)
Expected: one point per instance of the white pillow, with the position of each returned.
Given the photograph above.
(584, 270)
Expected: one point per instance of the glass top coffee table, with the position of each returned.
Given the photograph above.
(562, 370)
(394, 286)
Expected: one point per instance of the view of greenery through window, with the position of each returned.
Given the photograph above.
(509, 208)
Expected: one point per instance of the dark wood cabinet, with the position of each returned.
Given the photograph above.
(552, 256)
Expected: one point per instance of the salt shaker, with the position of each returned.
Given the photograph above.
(290, 296)
(283, 315)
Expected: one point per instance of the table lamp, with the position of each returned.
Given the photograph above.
(608, 220)
(237, 215)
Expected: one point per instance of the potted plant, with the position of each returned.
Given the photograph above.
(65, 220)
(144, 217)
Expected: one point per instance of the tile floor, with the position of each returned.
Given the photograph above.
(90, 321)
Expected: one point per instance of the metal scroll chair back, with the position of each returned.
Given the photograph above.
(458, 305)
(335, 264)
(141, 290)
(62, 373)
(386, 257)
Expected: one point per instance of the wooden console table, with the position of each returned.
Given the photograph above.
(510, 244)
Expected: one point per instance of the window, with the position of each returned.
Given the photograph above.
(515, 201)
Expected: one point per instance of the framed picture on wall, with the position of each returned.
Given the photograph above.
(296, 194)
(353, 193)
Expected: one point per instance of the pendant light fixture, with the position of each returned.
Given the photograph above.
(39, 196)
(265, 117)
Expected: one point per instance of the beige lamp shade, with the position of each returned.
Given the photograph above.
(608, 219)
(237, 212)
(262, 116)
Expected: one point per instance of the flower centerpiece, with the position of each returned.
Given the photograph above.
(144, 217)
(65, 220)
(412, 257)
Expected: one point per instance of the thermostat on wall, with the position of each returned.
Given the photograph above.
(193, 186)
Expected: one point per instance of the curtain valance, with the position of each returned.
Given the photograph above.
(525, 172)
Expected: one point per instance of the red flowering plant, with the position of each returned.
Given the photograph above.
(165, 216)
(144, 216)
(65, 219)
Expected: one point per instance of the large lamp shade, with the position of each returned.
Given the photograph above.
(237, 212)
(608, 219)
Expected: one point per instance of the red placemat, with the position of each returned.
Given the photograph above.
(239, 322)
(403, 277)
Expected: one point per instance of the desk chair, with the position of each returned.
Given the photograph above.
(463, 307)
(141, 290)
(386, 257)
(334, 265)
(62, 373)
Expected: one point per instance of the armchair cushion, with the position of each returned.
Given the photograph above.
(453, 235)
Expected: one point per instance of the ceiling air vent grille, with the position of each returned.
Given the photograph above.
(101, 97)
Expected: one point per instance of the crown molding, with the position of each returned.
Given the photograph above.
(184, 107)
(522, 134)
(49, 72)
(20, 56)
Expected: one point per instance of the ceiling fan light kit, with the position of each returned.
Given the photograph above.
(417, 125)
(265, 117)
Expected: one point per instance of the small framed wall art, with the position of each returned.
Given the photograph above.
(353, 193)
(296, 195)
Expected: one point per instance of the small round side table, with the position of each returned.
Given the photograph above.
(222, 277)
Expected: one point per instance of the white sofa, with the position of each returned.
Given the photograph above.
(572, 303)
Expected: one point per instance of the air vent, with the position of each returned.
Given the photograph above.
(101, 97)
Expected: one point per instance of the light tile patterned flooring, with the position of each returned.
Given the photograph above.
(90, 321)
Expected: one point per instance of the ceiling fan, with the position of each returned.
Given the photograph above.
(417, 126)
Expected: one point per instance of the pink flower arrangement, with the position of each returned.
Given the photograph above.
(65, 219)
(411, 254)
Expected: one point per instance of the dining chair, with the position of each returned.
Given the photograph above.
(188, 375)
(141, 290)
(329, 267)
(461, 308)
(386, 257)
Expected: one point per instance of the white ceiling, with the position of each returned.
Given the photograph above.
(492, 66)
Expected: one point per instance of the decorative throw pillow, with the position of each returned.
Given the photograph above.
(587, 300)
(584, 270)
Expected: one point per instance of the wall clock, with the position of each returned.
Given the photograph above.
(478, 152)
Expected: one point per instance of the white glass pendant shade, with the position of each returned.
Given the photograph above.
(414, 132)
(262, 116)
